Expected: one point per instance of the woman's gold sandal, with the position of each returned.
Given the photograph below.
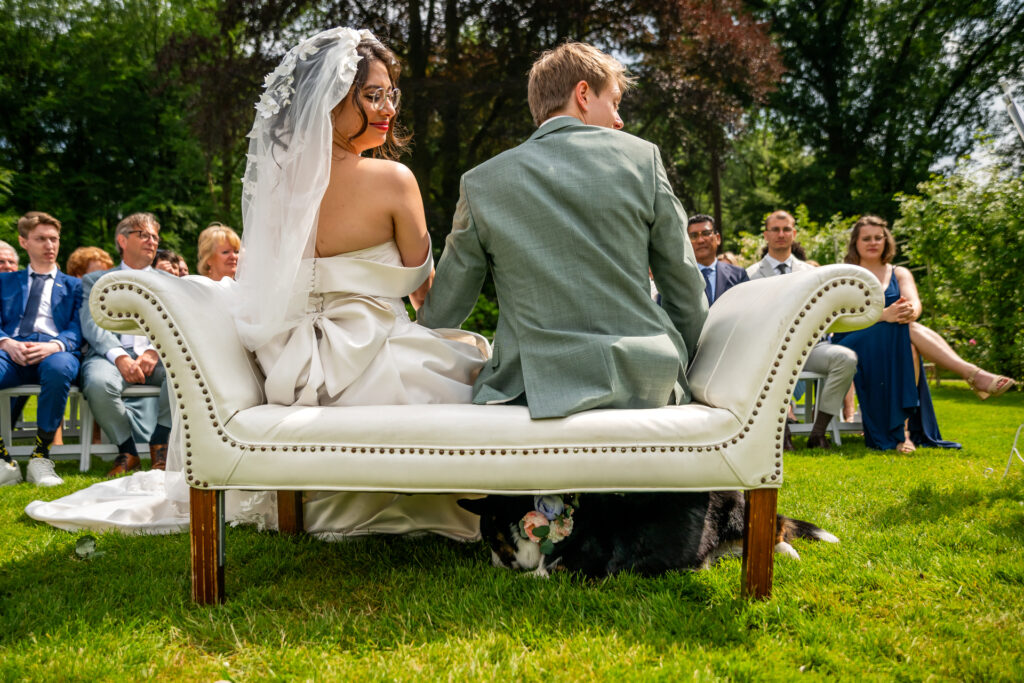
(997, 387)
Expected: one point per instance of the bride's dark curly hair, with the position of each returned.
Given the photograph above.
(284, 120)
(397, 139)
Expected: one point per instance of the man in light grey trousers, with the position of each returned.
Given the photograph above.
(837, 363)
(116, 360)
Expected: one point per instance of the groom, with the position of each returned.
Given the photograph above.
(568, 224)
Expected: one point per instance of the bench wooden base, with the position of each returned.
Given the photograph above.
(206, 531)
(759, 543)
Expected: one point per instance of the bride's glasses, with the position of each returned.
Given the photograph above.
(377, 97)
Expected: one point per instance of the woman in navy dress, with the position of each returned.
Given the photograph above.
(894, 399)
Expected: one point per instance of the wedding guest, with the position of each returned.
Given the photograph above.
(218, 252)
(85, 260)
(837, 363)
(540, 217)
(718, 275)
(167, 261)
(729, 257)
(796, 249)
(114, 361)
(8, 258)
(182, 266)
(895, 404)
(39, 339)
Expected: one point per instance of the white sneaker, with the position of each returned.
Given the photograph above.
(40, 472)
(10, 473)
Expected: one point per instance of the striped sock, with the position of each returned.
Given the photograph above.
(43, 441)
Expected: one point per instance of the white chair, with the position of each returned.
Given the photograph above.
(80, 425)
(813, 381)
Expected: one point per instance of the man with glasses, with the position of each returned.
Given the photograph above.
(116, 360)
(837, 363)
(718, 275)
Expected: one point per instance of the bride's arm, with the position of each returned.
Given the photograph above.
(409, 220)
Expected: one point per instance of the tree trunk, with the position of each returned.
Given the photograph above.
(452, 131)
(715, 173)
(419, 47)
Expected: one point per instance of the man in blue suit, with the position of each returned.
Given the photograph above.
(718, 275)
(40, 336)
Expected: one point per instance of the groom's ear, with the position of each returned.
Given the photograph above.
(581, 94)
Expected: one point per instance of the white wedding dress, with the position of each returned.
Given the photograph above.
(355, 346)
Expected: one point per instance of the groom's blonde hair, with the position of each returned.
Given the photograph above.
(556, 72)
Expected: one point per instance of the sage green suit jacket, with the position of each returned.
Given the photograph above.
(568, 223)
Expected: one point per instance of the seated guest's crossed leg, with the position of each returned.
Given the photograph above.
(839, 365)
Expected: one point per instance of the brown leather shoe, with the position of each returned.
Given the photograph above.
(158, 456)
(816, 441)
(123, 464)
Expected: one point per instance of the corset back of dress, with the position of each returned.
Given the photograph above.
(376, 271)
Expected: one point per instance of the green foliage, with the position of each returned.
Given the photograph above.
(8, 216)
(967, 229)
(87, 129)
(880, 92)
(484, 318)
(760, 158)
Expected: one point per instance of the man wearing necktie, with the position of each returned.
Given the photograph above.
(718, 275)
(837, 363)
(116, 360)
(40, 339)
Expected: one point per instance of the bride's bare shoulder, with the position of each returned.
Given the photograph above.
(385, 169)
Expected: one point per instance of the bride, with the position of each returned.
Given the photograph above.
(334, 235)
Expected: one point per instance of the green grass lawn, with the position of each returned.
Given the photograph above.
(928, 582)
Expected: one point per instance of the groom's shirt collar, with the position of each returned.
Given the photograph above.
(560, 116)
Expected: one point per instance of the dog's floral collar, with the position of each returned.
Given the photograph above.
(548, 523)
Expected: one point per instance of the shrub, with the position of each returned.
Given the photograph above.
(967, 230)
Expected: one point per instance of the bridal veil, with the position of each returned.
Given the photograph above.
(287, 170)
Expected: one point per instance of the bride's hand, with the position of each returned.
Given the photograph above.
(420, 295)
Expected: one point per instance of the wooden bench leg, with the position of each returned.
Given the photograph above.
(289, 512)
(759, 543)
(206, 529)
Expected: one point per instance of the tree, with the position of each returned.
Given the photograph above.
(881, 91)
(81, 127)
(708, 63)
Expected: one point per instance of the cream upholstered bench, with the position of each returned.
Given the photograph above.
(751, 350)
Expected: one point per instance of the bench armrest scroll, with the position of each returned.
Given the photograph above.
(189, 322)
(757, 336)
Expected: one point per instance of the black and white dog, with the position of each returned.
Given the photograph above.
(601, 534)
